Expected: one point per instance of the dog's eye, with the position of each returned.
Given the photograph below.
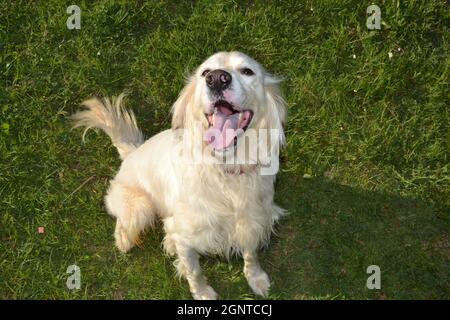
(205, 72)
(247, 71)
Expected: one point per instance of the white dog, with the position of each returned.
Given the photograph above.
(211, 206)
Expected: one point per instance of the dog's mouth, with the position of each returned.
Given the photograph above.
(226, 124)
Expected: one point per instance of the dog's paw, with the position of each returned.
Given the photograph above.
(259, 283)
(123, 243)
(207, 293)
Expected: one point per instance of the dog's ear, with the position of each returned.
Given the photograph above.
(269, 150)
(180, 107)
(276, 105)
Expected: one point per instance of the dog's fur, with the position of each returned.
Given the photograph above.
(207, 207)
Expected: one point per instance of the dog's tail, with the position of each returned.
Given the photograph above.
(110, 116)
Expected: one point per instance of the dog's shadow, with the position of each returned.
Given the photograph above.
(332, 234)
(335, 232)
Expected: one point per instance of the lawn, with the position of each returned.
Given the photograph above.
(365, 173)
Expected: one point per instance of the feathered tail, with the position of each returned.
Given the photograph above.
(110, 116)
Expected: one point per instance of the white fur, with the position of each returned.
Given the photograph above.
(119, 124)
(205, 208)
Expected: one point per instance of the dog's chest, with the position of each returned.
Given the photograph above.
(217, 216)
(233, 225)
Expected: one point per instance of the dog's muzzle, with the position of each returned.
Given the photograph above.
(218, 80)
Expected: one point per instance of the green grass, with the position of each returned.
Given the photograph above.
(365, 174)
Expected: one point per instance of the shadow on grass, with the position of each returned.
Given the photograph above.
(334, 232)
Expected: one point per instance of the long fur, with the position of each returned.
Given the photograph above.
(206, 208)
(110, 116)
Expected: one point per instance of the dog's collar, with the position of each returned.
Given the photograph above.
(240, 170)
(235, 171)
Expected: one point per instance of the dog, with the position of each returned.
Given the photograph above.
(197, 177)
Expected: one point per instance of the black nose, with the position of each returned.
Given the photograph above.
(218, 80)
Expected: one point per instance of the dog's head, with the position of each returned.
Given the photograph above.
(228, 94)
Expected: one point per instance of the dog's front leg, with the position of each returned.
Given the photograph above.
(257, 278)
(188, 265)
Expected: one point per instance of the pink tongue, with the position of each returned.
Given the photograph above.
(224, 130)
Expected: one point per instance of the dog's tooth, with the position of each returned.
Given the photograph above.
(241, 116)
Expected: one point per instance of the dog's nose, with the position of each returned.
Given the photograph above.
(218, 80)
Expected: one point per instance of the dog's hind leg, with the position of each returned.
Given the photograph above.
(134, 210)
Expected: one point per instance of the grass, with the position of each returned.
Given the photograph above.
(365, 173)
